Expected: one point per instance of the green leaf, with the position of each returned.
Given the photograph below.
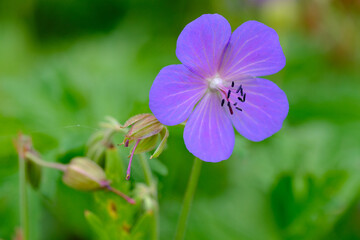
(158, 167)
(293, 212)
(114, 167)
(96, 225)
(144, 228)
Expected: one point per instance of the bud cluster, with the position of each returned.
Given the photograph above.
(84, 173)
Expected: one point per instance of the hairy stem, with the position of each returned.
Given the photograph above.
(124, 196)
(146, 168)
(39, 161)
(151, 182)
(24, 209)
(188, 199)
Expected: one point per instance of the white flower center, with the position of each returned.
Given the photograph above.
(215, 83)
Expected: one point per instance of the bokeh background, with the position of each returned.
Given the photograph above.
(66, 64)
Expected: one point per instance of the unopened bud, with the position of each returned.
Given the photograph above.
(144, 132)
(143, 126)
(84, 174)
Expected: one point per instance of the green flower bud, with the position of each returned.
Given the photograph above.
(102, 139)
(144, 132)
(143, 127)
(84, 174)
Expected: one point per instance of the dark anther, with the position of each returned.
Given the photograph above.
(232, 84)
(237, 108)
(222, 102)
(228, 95)
(240, 89)
(235, 104)
(242, 99)
(230, 109)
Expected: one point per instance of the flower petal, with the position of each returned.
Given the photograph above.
(201, 44)
(263, 111)
(254, 49)
(209, 134)
(174, 93)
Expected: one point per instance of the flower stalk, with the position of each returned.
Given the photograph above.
(121, 194)
(149, 179)
(146, 168)
(24, 208)
(188, 199)
(32, 157)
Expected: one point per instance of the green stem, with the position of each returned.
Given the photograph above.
(188, 199)
(146, 168)
(39, 161)
(24, 209)
(151, 183)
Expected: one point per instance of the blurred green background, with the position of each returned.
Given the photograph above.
(65, 64)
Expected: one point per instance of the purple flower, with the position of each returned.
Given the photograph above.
(216, 86)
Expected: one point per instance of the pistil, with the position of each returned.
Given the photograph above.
(230, 109)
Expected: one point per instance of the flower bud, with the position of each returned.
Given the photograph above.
(84, 174)
(102, 140)
(143, 126)
(144, 132)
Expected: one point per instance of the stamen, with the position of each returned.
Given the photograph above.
(232, 84)
(228, 95)
(237, 108)
(230, 109)
(131, 157)
(222, 102)
(126, 143)
(240, 89)
(227, 99)
(242, 99)
(235, 104)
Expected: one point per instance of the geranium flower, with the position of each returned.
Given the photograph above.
(217, 86)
